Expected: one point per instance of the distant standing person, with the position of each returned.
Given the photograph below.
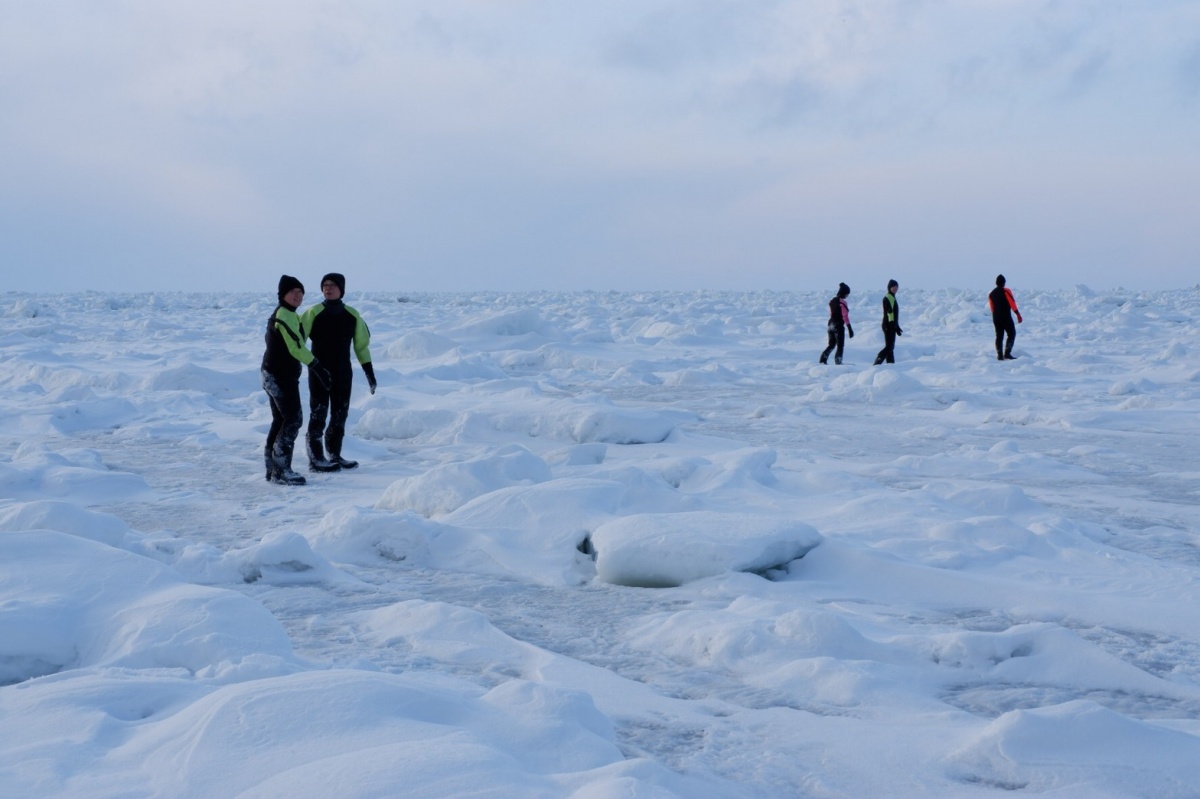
(281, 365)
(1003, 306)
(334, 327)
(839, 323)
(891, 324)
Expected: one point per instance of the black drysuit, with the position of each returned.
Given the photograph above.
(281, 367)
(333, 327)
(891, 329)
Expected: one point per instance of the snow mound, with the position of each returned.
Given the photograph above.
(657, 550)
(622, 427)
(64, 517)
(419, 344)
(206, 381)
(365, 536)
(36, 473)
(351, 733)
(1082, 749)
(69, 603)
(450, 486)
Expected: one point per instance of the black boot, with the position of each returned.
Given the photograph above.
(272, 469)
(317, 462)
(283, 471)
(342, 463)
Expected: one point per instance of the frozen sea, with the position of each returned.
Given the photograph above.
(606, 545)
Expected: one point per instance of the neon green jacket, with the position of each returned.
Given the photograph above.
(333, 328)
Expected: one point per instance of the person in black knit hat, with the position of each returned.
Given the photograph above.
(839, 323)
(334, 329)
(890, 324)
(281, 365)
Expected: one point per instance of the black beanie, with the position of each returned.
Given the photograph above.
(286, 284)
(892, 283)
(1000, 280)
(339, 279)
(843, 290)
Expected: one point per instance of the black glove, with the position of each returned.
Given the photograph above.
(899, 332)
(851, 329)
(321, 373)
(369, 371)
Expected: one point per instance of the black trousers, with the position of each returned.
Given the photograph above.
(1005, 326)
(286, 417)
(334, 403)
(837, 338)
(888, 353)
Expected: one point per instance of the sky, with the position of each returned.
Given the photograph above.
(626, 145)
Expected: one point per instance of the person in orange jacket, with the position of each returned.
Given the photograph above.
(1003, 306)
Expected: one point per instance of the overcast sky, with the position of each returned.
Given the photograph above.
(623, 144)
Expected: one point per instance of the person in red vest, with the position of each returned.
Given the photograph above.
(1003, 306)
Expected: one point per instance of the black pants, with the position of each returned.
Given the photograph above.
(837, 338)
(286, 417)
(334, 402)
(1004, 326)
(889, 346)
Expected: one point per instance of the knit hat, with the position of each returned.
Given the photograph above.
(843, 290)
(1000, 280)
(893, 284)
(338, 279)
(286, 284)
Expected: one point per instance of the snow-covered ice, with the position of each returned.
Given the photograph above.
(606, 544)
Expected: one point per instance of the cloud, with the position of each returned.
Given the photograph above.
(1189, 72)
(611, 145)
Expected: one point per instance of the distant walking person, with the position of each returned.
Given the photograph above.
(890, 324)
(1003, 306)
(334, 327)
(281, 366)
(839, 323)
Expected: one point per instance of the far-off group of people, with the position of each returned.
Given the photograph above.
(334, 328)
(1001, 302)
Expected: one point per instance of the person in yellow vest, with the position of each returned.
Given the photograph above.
(281, 366)
(334, 329)
(891, 324)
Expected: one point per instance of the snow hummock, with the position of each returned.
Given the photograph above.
(606, 544)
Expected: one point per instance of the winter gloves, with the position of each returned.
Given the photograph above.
(369, 371)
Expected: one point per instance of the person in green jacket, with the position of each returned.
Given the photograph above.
(334, 329)
(281, 366)
(890, 324)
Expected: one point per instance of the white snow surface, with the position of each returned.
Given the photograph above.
(606, 545)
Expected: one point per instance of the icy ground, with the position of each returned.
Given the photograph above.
(603, 545)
